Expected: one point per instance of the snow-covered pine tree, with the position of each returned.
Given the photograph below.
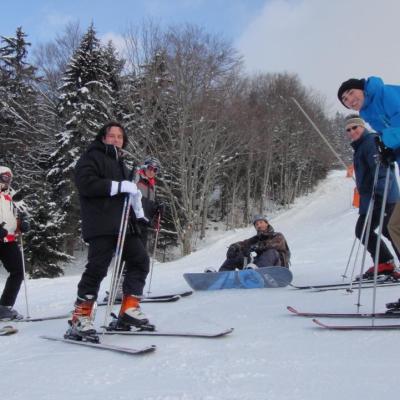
(26, 146)
(18, 104)
(86, 103)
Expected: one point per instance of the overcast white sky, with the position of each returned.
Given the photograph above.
(325, 41)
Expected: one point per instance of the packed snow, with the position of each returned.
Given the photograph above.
(270, 355)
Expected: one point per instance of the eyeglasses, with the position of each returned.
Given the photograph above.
(352, 128)
(151, 168)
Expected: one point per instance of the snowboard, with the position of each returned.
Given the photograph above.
(266, 277)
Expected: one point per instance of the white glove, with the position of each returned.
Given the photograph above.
(123, 187)
(136, 202)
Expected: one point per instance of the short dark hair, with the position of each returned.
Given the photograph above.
(105, 128)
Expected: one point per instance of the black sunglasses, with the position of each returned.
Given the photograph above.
(352, 128)
(151, 168)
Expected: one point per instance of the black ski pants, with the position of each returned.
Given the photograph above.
(384, 253)
(11, 258)
(268, 258)
(100, 254)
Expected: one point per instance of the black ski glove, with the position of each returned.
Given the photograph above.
(24, 225)
(234, 251)
(385, 154)
(257, 247)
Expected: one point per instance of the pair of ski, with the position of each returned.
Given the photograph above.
(166, 298)
(365, 284)
(384, 315)
(142, 350)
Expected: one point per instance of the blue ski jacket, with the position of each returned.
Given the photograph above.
(364, 159)
(381, 109)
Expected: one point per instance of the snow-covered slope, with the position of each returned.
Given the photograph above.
(270, 355)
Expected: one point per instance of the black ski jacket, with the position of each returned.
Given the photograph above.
(100, 212)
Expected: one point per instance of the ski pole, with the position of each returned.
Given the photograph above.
(24, 272)
(367, 234)
(158, 226)
(378, 242)
(362, 239)
(118, 256)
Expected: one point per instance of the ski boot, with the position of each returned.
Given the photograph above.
(81, 324)
(7, 313)
(385, 268)
(395, 275)
(130, 315)
(393, 308)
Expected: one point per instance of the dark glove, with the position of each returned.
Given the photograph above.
(143, 221)
(3, 232)
(234, 251)
(257, 247)
(24, 225)
(385, 154)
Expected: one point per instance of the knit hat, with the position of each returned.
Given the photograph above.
(352, 83)
(259, 217)
(354, 119)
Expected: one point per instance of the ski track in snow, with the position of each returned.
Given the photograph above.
(271, 355)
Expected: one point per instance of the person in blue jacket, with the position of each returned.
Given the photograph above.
(379, 105)
(364, 160)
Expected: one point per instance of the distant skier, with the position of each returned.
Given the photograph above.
(364, 160)
(10, 226)
(146, 183)
(270, 247)
(103, 182)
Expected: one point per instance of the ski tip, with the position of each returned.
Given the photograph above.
(228, 331)
(187, 293)
(319, 323)
(292, 310)
(7, 330)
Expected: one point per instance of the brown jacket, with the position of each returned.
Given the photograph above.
(261, 242)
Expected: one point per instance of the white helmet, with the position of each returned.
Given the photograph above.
(5, 170)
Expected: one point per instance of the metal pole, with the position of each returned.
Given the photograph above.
(154, 251)
(118, 257)
(319, 132)
(358, 247)
(371, 204)
(378, 243)
(24, 271)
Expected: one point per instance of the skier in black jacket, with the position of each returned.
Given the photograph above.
(103, 182)
(364, 160)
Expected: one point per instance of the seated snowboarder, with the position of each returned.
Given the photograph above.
(270, 247)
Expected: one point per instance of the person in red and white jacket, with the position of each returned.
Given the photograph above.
(10, 255)
(146, 182)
